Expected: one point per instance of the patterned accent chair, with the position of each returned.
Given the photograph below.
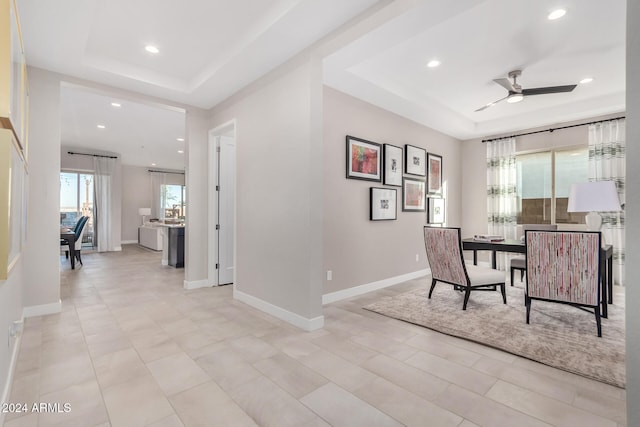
(444, 253)
(564, 267)
(519, 262)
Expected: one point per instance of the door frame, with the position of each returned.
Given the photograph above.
(226, 129)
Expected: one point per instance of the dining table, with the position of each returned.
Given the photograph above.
(70, 236)
(518, 246)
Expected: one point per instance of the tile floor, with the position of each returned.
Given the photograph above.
(133, 348)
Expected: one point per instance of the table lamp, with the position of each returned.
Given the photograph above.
(594, 197)
(143, 212)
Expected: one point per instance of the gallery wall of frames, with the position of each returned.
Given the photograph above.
(412, 169)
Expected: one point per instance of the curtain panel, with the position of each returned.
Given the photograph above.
(104, 168)
(607, 163)
(501, 192)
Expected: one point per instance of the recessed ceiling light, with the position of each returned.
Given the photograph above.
(153, 164)
(101, 126)
(433, 63)
(180, 139)
(151, 49)
(556, 14)
(116, 104)
(586, 80)
(180, 151)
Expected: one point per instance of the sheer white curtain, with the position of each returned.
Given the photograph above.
(501, 192)
(607, 163)
(158, 196)
(104, 168)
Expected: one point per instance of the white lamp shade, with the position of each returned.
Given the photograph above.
(595, 196)
(144, 211)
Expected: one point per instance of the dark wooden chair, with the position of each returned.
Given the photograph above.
(444, 253)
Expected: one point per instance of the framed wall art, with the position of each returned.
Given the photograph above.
(435, 174)
(435, 210)
(415, 160)
(383, 204)
(392, 165)
(364, 159)
(413, 195)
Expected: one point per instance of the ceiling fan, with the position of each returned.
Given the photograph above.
(516, 93)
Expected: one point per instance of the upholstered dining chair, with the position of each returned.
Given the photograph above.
(79, 233)
(444, 253)
(519, 262)
(564, 267)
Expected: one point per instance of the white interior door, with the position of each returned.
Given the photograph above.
(226, 207)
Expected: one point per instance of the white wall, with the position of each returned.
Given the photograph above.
(279, 191)
(632, 264)
(359, 251)
(42, 284)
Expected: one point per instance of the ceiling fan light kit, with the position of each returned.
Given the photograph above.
(517, 93)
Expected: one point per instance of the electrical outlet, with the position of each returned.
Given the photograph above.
(329, 274)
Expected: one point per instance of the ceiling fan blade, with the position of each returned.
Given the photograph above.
(549, 89)
(505, 83)
(491, 104)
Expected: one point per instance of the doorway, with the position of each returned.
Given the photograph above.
(222, 197)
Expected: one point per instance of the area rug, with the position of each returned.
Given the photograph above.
(558, 335)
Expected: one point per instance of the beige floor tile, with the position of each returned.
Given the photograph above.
(449, 371)
(269, 405)
(86, 407)
(342, 372)
(122, 311)
(119, 367)
(137, 402)
(484, 411)
(290, 375)
(535, 381)
(342, 346)
(605, 406)
(405, 406)
(74, 370)
(177, 373)
(550, 410)
(227, 368)
(436, 346)
(340, 408)
(155, 345)
(421, 383)
(171, 421)
(208, 405)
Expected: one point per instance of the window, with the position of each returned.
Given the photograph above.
(76, 200)
(173, 201)
(544, 180)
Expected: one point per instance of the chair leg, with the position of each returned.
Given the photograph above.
(504, 293)
(433, 285)
(598, 323)
(521, 275)
(527, 302)
(79, 257)
(512, 270)
(466, 297)
(66, 254)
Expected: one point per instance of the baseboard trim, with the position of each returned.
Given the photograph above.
(196, 284)
(42, 310)
(128, 242)
(12, 368)
(373, 286)
(279, 312)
